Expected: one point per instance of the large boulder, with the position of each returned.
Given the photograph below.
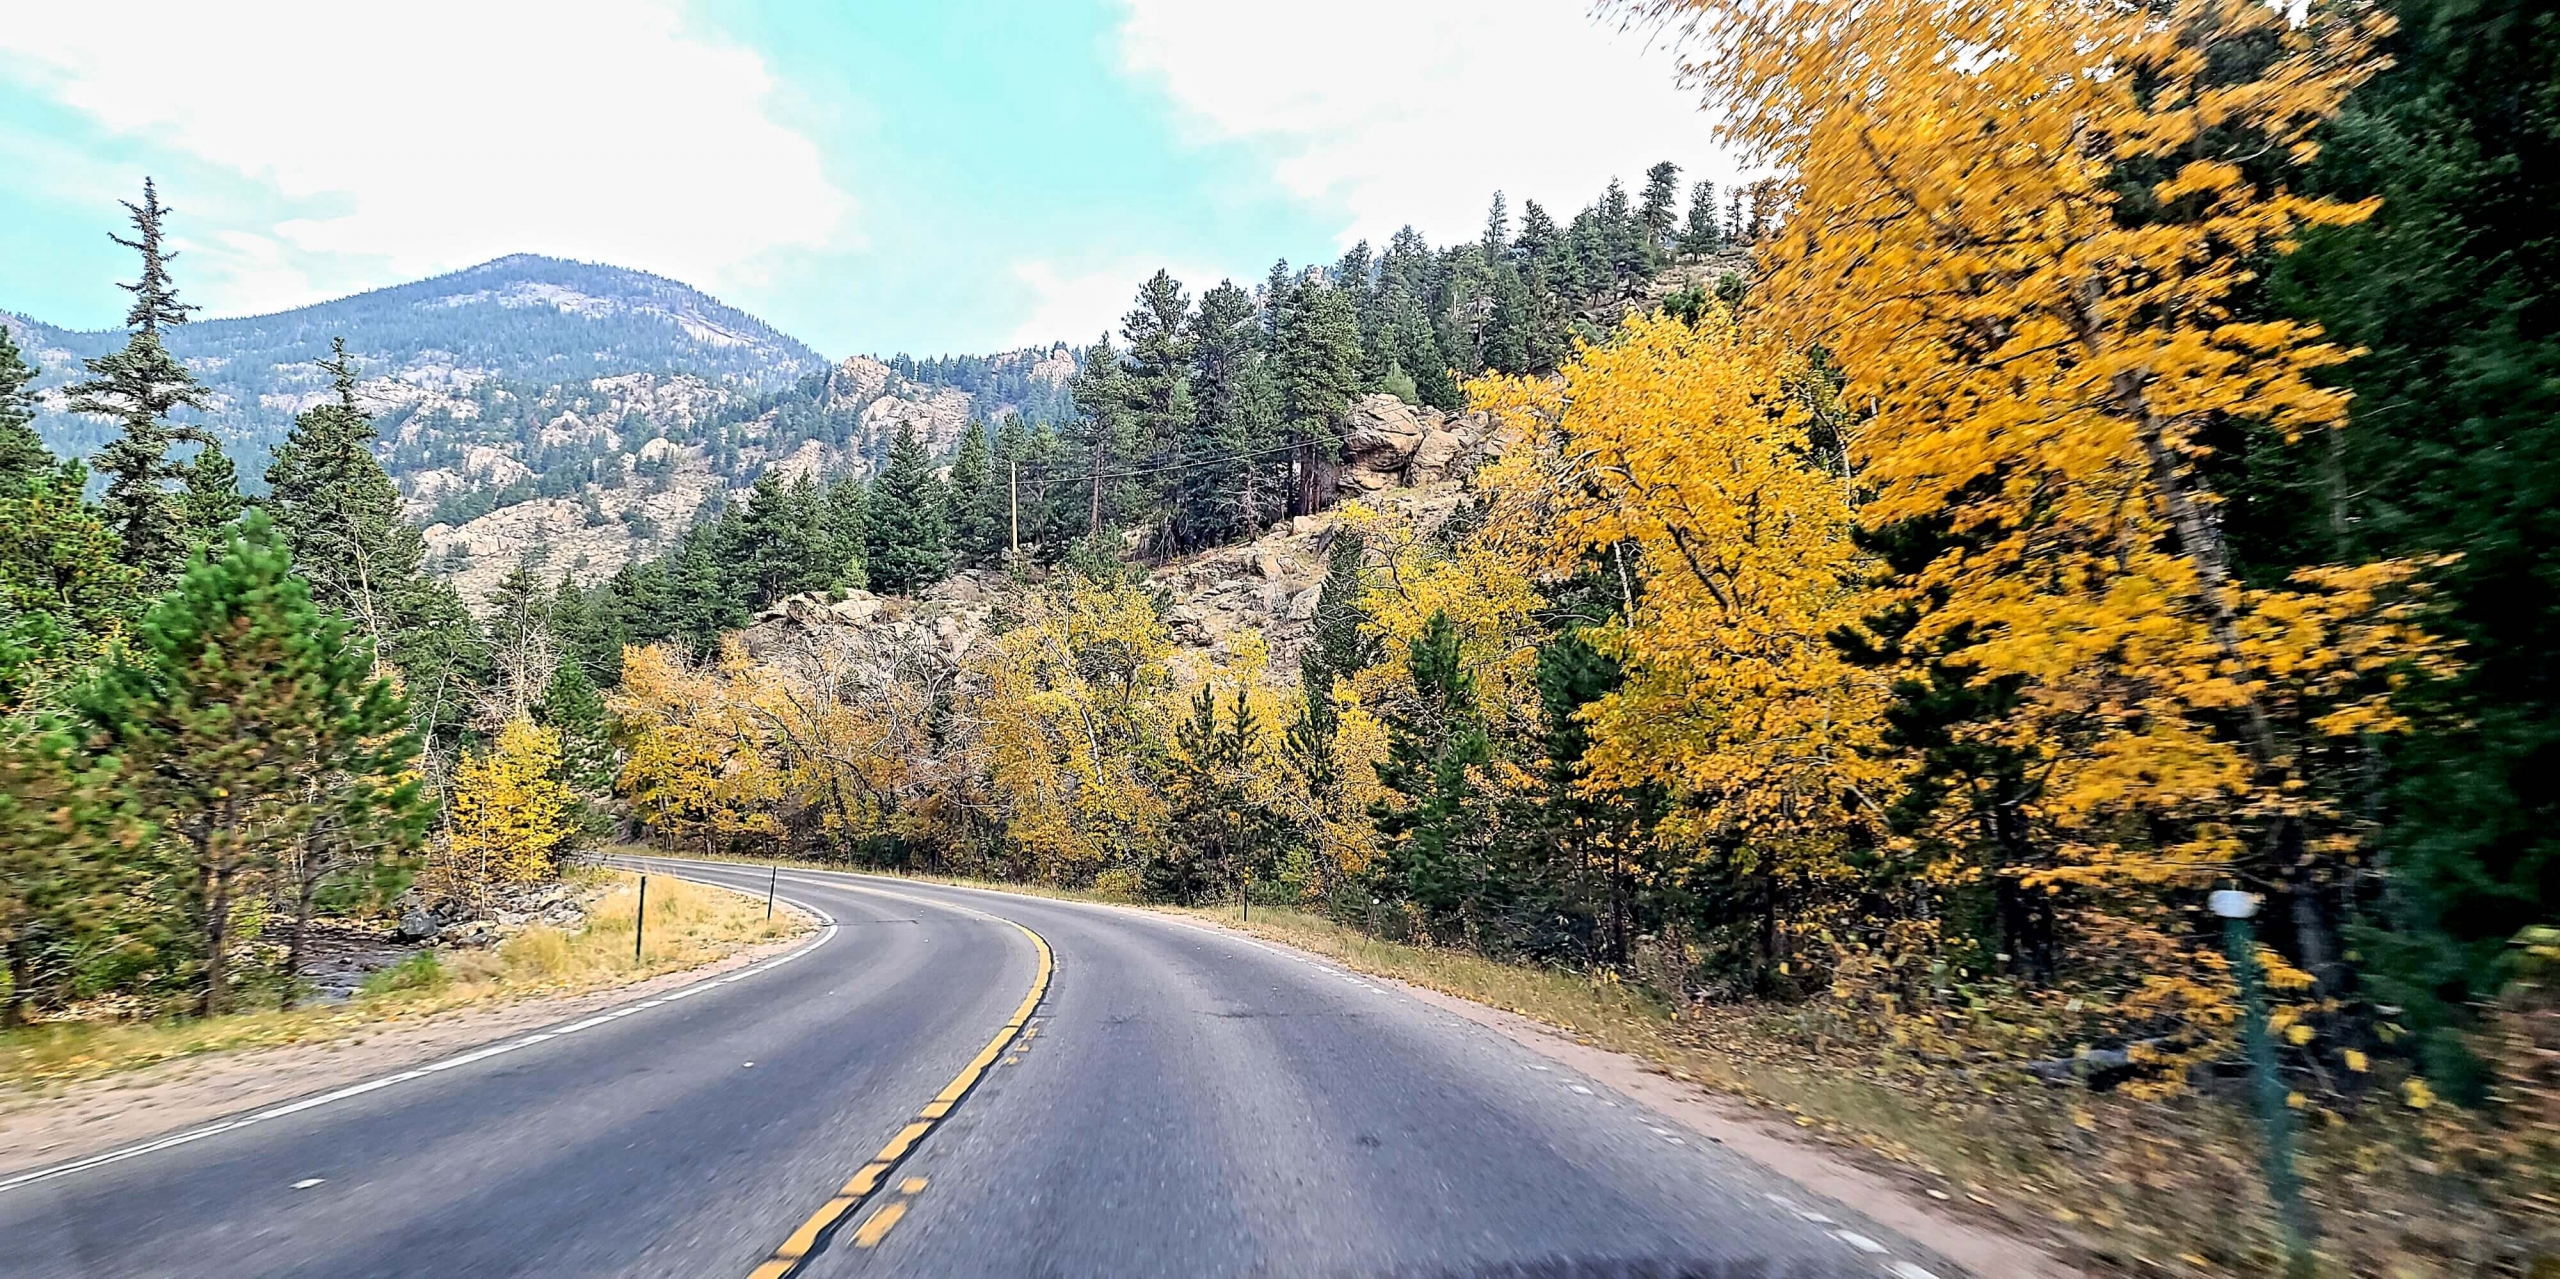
(1432, 458)
(1380, 432)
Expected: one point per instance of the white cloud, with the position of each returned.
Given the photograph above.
(422, 138)
(1416, 110)
(1076, 305)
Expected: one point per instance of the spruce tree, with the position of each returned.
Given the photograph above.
(1157, 363)
(351, 540)
(1702, 234)
(23, 456)
(211, 499)
(909, 548)
(1659, 210)
(1210, 496)
(64, 588)
(1219, 828)
(236, 700)
(841, 515)
(781, 544)
(1439, 822)
(64, 859)
(572, 706)
(1339, 648)
(1107, 438)
(140, 385)
(977, 500)
(1317, 349)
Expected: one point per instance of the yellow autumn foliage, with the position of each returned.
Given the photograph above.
(1678, 460)
(513, 818)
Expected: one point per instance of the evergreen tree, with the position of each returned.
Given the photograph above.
(977, 500)
(140, 386)
(212, 496)
(910, 549)
(1439, 823)
(351, 540)
(64, 588)
(841, 515)
(1414, 346)
(698, 604)
(1339, 648)
(23, 456)
(1219, 829)
(1157, 364)
(1660, 209)
(1624, 241)
(63, 846)
(1216, 491)
(1702, 234)
(2452, 290)
(572, 707)
(1317, 349)
(589, 627)
(1109, 439)
(781, 543)
(237, 699)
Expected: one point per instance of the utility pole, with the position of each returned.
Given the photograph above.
(1013, 500)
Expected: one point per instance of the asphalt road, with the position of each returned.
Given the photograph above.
(1181, 1102)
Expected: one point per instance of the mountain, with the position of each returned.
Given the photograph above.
(570, 414)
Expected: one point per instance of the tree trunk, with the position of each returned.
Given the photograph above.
(307, 888)
(217, 938)
(22, 983)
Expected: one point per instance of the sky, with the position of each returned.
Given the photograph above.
(965, 175)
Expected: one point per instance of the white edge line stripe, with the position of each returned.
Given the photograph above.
(217, 1128)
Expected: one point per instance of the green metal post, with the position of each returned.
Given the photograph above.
(2275, 1115)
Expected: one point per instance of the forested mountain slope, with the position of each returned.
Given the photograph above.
(565, 412)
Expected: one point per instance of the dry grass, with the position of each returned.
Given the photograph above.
(688, 925)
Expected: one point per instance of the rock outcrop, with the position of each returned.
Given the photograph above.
(1391, 444)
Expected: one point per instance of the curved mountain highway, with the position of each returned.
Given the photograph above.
(1181, 1101)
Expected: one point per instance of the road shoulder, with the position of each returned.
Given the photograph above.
(113, 1111)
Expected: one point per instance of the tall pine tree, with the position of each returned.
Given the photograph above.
(334, 503)
(910, 549)
(1317, 349)
(140, 385)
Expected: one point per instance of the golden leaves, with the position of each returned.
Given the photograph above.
(511, 812)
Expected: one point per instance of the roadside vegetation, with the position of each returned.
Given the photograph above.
(688, 925)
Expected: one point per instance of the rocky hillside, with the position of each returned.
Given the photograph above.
(565, 413)
(1413, 462)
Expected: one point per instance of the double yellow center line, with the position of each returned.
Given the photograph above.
(804, 1241)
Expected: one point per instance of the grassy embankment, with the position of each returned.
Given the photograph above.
(2124, 1186)
(688, 925)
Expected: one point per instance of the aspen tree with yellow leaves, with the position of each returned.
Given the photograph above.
(2027, 233)
(513, 819)
(1680, 458)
